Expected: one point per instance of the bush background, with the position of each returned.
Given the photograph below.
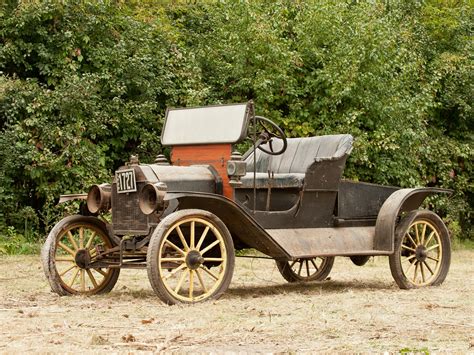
(85, 84)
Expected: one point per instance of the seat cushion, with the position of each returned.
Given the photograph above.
(279, 181)
(301, 153)
(289, 168)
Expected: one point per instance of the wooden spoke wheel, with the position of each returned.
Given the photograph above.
(306, 269)
(190, 257)
(422, 252)
(71, 245)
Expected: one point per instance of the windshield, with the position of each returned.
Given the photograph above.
(206, 125)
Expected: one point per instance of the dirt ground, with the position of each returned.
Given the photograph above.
(358, 309)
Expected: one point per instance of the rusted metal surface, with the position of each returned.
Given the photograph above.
(311, 242)
(185, 178)
(360, 199)
(403, 200)
(126, 214)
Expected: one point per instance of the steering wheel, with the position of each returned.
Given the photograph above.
(269, 130)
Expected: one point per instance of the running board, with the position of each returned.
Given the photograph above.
(311, 242)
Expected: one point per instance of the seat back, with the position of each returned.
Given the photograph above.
(301, 153)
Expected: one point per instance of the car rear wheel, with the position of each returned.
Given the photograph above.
(70, 245)
(190, 257)
(422, 251)
(306, 269)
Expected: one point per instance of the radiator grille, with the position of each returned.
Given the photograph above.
(126, 214)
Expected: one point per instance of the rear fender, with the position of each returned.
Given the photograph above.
(245, 230)
(403, 200)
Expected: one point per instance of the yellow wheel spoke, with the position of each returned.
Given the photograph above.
(408, 258)
(63, 258)
(411, 238)
(408, 248)
(89, 242)
(181, 267)
(71, 239)
(180, 282)
(428, 267)
(423, 232)
(422, 272)
(103, 273)
(191, 284)
(67, 270)
(74, 277)
(301, 267)
(417, 234)
(429, 238)
(213, 259)
(175, 247)
(432, 247)
(94, 282)
(416, 271)
(83, 280)
(431, 258)
(171, 259)
(409, 267)
(93, 253)
(183, 240)
(210, 246)
(191, 242)
(203, 236)
(209, 272)
(201, 281)
(66, 248)
(81, 237)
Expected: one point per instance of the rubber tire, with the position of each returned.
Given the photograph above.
(395, 260)
(154, 246)
(360, 260)
(49, 249)
(290, 276)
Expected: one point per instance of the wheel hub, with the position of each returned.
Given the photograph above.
(82, 258)
(194, 259)
(421, 253)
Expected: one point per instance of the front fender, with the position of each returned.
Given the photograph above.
(243, 227)
(71, 197)
(403, 200)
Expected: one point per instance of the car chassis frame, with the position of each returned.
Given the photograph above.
(183, 219)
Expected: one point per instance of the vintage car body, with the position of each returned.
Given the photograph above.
(285, 197)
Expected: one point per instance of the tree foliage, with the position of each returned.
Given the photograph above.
(85, 84)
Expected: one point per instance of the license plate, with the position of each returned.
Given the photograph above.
(126, 181)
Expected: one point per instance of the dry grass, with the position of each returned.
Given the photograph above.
(359, 309)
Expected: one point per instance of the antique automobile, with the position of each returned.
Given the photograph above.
(182, 220)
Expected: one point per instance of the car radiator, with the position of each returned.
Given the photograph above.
(126, 214)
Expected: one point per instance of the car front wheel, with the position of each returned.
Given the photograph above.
(73, 242)
(190, 257)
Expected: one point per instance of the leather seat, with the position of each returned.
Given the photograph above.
(289, 169)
